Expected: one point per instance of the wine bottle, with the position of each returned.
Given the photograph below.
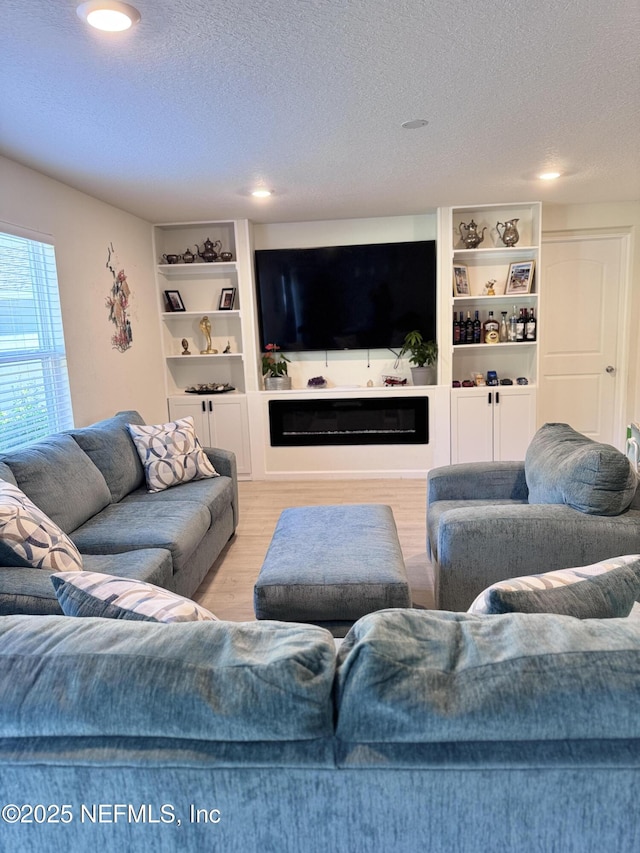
(456, 328)
(530, 327)
(520, 326)
(468, 333)
(477, 329)
(491, 330)
(504, 333)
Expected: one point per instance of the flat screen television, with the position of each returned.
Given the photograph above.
(346, 297)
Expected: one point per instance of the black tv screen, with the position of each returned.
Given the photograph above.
(346, 297)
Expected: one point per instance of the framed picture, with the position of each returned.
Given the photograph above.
(460, 280)
(520, 277)
(174, 300)
(227, 298)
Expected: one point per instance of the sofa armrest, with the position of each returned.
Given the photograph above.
(479, 546)
(224, 461)
(24, 590)
(477, 481)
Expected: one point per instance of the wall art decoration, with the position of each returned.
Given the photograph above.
(118, 302)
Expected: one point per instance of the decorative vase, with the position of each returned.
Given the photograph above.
(423, 375)
(277, 383)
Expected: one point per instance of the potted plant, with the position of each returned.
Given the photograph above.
(423, 355)
(274, 369)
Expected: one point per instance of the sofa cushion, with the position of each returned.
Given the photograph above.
(112, 597)
(216, 494)
(209, 681)
(60, 479)
(563, 466)
(171, 454)
(110, 447)
(29, 538)
(434, 676)
(178, 527)
(602, 590)
(6, 474)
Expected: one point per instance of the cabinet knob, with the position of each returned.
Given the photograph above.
(610, 369)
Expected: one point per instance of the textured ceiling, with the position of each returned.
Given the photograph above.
(179, 117)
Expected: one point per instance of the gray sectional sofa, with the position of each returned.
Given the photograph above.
(572, 502)
(429, 731)
(90, 482)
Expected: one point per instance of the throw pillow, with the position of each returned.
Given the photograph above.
(607, 589)
(563, 466)
(96, 594)
(171, 454)
(29, 538)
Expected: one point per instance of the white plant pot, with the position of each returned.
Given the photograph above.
(277, 383)
(423, 375)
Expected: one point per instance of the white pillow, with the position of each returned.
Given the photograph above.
(29, 538)
(97, 594)
(171, 454)
(550, 580)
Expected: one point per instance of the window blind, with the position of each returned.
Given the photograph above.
(34, 385)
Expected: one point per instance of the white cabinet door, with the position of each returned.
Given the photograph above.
(491, 423)
(514, 422)
(471, 425)
(230, 429)
(198, 408)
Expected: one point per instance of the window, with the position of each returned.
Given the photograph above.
(34, 386)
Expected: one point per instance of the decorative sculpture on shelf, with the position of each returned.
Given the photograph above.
(205, 328)
(472, 238)
(185, 347)
(509, 234)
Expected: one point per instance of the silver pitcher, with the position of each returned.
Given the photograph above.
(509, 234)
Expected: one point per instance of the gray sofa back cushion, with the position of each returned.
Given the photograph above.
(110, 447)
(209, 681)
(60, 479)
(412, 677)
(563, 466)
(6, 474)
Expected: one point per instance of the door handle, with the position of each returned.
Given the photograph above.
(610, 369)
(210, 406)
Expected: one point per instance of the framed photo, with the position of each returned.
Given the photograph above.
(227, 298)
(520, 277)
(174, 300)
(460, 280)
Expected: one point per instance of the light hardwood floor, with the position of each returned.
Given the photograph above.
(227, 589)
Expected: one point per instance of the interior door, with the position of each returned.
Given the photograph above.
(582, 351)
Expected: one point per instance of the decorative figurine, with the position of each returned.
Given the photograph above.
(205, 328)
(185, 347)
(227, 349)
(489, 289)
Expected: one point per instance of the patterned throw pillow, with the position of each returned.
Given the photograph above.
(96, 594)
(28, 537)
(607, 589)
(171, 454)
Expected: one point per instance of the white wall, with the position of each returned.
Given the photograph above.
(102, 379)
(614, 215)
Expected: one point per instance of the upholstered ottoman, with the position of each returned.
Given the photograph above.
(330, 565)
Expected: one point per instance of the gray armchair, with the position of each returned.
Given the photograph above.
(482, 528)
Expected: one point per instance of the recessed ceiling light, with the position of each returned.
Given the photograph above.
(109, 15)
(261, 193)
(414, 123)
(549, 176)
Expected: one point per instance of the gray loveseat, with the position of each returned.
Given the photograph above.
(430, 731)
(572, 502)
(90, 482)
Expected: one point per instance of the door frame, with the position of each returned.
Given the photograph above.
(624, 314)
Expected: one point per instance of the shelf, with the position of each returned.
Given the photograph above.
(181, 315)
(503, 297)
(194, 270)
(202, 355)
(498, 251)
(504, 345)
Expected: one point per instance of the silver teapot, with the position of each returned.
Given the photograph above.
(471, 239)
(509, 234)
(209, 251)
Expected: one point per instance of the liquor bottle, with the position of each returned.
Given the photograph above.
(520, 326)
(456, 328)
(491, 330)
(504, 333)
(468, 332)
(513, 322)
(477, 329)
(530, 327)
